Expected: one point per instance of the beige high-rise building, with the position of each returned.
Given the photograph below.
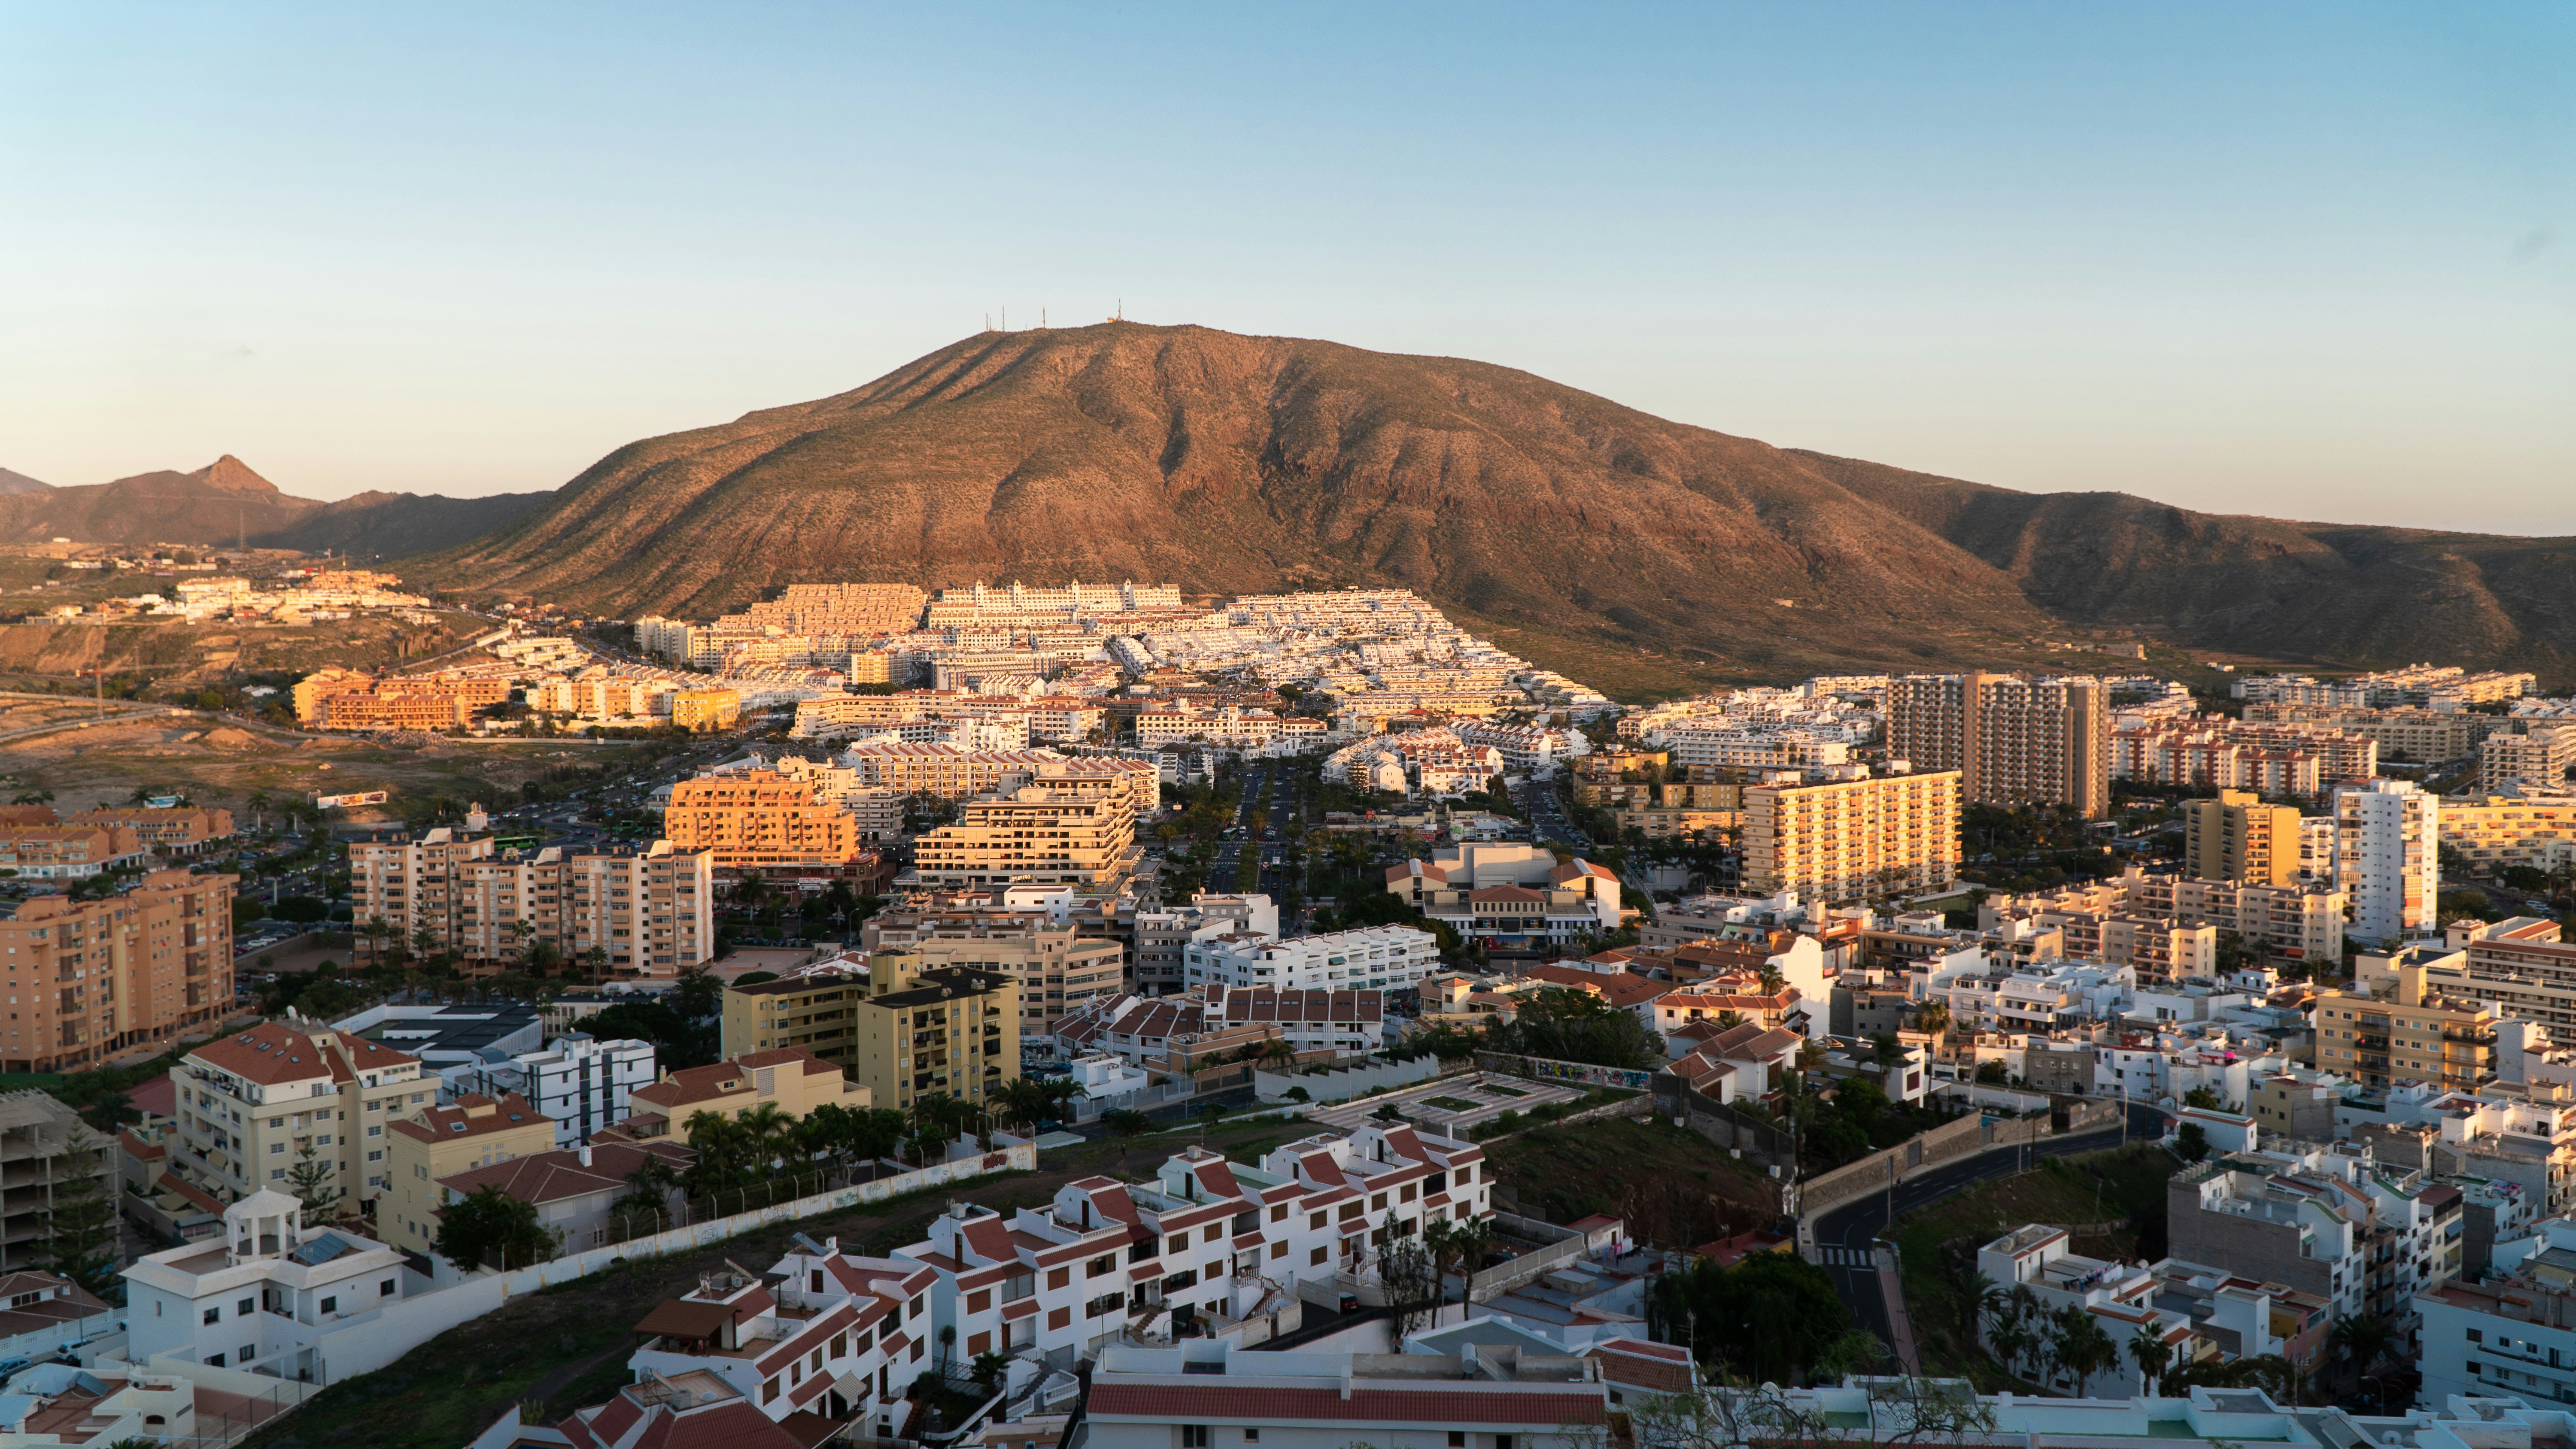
(2539, 755)
(2238, 837)
(651, 910)
(1057, 967)
(762, 820)
(1847, 838)
(1035, 835)
(924, 1030)
(2410, 1035)
(2014, 741)
(91, 979)
(256, 1106)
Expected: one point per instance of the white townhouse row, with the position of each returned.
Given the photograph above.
(1373, 958)
(839, 1336)
(1209, 1243)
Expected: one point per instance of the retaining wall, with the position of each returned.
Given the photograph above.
(388, 1334)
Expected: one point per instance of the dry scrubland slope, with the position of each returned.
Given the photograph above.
(225, 502)
(1225, 464)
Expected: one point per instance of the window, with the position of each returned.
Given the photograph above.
(331, 1305)
(980, 1300)
(1251, 1436)
(1315, 1221)
(1179, 1244)
(214, 1314)
(1059, 1277)
(1318, 1259)
(385, 1287)
(1457, 1439)
(1194, 1436)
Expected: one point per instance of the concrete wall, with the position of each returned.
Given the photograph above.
(1876, 1171)
(365, 1347)
(1343, 1083)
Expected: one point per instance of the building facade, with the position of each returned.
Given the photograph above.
(2237, 837)
(255, 1107)
(2014, 741)
(1840, 839)
(98, 977)
(649, 912)
(2387, 859)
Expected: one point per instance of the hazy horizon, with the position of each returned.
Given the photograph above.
(2309, 262)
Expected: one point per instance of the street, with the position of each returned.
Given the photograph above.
(1845, 1235)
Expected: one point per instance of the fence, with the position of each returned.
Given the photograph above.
(1564, 1245)
(1722, 1123)
(1092, 1109)
(228, 1403)
(1548, 1069)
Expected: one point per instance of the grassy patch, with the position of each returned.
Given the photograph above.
(1938, 1244)
(1674, 1187)
(567, 1346)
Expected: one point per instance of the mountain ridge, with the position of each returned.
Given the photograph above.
(1230, 464)
(228, 502)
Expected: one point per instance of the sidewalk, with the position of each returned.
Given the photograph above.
(1891, 1286)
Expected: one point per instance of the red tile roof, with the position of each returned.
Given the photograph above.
(437, 1124)
(272, 1053)
(1537, 1412)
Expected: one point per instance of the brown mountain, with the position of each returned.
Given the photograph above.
(15, 482)
(225, 501)
(1226, 463)
(1587, 531)
(2335, 593)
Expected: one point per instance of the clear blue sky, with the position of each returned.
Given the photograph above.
(2309, 260)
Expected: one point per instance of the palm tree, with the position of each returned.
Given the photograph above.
(2152, 1354)
(596, 959)
(2361, 1340)
(1981, 1301)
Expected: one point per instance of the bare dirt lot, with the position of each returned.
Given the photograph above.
(216, 761)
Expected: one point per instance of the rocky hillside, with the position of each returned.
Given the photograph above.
(2320, 591)
(225, 502)
(1226, 463)
(1586, 532)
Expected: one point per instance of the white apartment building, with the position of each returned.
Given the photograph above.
(839, 1335)
(584, 1084)
(263, 1295)
(1376, 958)
(2387, 862)
(1215, 1244)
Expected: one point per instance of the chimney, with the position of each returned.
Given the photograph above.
(585, 1154)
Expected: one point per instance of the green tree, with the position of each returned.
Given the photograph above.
(82, 1239)
(1766, 1319)
(492, 1225)
(1128, 1122)
(2191, 1142)
(1565, 1024)
(314, 1182)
